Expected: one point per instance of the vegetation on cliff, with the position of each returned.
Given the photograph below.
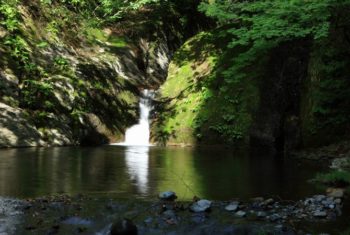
(73, 68)
(290, 57)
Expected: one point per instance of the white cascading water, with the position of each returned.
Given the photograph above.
(139, 133)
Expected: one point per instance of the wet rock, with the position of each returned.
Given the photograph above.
(123, 227)
(320, 214)
(201, 206)
(240, 214)
(319, 198)
(308, 201)
(169, 214)
(275, 217)
(335, 192)
(268, 201)
(167, 196)
(233, 206)
(261, 214)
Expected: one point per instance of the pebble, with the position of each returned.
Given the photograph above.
(275, 217)
(240, 213)
(261, 214)
(319, 198)
(233, 206)
(320, 214)
(200, 206)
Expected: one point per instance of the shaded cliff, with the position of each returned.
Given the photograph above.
(291, 95)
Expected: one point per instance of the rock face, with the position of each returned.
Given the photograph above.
(15, 129)
(88, 84)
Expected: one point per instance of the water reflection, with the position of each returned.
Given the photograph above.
(137, 163)
(142, 171)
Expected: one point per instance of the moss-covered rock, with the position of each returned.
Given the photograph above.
(196, 105)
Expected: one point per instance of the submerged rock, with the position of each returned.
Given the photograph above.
(201, 205)
(123, 227)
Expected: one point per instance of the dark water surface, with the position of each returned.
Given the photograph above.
(143, 172)
(215, 173)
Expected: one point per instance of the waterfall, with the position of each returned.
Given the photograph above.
(139, 134)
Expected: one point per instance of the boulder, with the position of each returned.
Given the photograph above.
(201, 205)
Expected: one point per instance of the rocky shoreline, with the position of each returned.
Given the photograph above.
(85, 215)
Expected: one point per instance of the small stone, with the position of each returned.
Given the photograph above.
(308, 201)
(167, 196)
(233, 206)
(275, 217)
(148, 220)
(200, 206)
(320, 214)
(240, 214)
(261, 214)
(268, 201)
(319, 198)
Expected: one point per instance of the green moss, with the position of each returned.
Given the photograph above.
(196, 110)
(98, 35)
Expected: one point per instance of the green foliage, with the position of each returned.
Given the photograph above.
(197, 110)
(18, 47)
(335, 178)
(61, 62)
(9, 15)
(270, 20)
(37, 95)
(258, 26)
